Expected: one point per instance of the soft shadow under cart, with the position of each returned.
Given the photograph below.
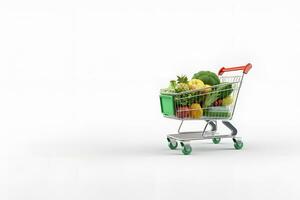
(171, 108)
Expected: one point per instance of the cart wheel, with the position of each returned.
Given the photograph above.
(173, 145)
(187, 149)
(238, 144)
(216, 140)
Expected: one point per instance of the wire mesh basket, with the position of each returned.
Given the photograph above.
(213, 102)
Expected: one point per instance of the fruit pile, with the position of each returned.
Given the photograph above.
(203, 95)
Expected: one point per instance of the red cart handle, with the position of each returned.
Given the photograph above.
(245, 69)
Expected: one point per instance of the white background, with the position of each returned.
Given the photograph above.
(80, 115)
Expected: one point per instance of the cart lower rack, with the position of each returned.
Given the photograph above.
(211, 104)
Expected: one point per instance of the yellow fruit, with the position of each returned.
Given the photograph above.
(227, 101)
(196, 84)
(196, 111)
(207, 88)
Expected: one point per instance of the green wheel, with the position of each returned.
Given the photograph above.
(238, 145)
(173, 145)
(187, 149)
(216, 140)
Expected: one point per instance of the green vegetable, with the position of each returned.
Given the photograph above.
(187, 99)
(210, 99)
(184, 99)
(172, 86)
(226, 90)
(220, 92)
(209, 78)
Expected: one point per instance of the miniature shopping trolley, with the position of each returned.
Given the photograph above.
(211, 104)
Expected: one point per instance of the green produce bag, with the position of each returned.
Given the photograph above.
(217, 112)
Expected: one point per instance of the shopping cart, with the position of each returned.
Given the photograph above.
(185, 106)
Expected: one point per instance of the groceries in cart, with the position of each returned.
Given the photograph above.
(202, 96)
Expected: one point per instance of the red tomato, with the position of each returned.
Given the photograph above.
(216, 103)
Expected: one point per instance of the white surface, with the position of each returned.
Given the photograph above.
(80, 116)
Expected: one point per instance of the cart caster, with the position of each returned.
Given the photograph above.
(238, 144)
(216, 140)
(173, 145)
(187, 149)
